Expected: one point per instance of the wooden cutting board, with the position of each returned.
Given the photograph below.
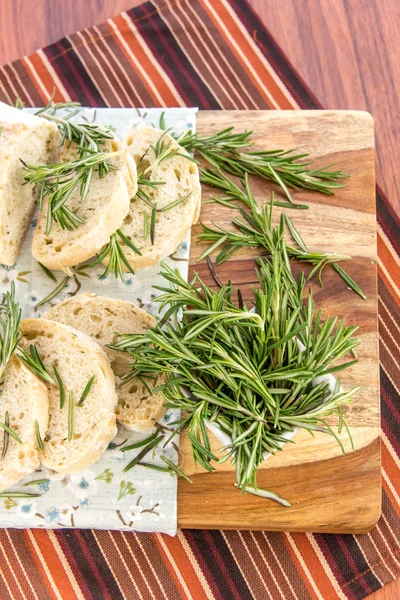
(329, 492)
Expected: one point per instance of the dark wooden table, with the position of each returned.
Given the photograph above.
(345, 50)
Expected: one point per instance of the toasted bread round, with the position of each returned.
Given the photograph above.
(180, 177)
(35, 141)
(103, 212)
(77, 358)
(25, 397)
(102, 318)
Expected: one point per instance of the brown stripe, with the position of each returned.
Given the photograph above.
(24, 558)
(238, 88)
(182, 30)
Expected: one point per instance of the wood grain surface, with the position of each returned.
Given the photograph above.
(324, 40)
(328, 492)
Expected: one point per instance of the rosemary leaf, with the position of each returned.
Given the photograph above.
(155, 467)
(18, 495)
(145, 226)
(86, 391)
(153, 217)
(175, 468)
(6, 435)
(48, 272)
(38, 436)
(36, 482)
(57, 290)
(60, 386)
(70, 415)
(175, 203)
(350, 282)
(140, 444)
(11, 432)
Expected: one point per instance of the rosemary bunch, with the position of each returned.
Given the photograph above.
(244, 371)
(58, 181)
(10, 316)
(231, 152)
(255, 230)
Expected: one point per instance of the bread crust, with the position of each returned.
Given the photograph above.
(136, 410)
(68, 249)
(31, 401)
(99, 404)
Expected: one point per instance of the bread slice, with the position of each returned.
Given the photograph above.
(181, 177)
(25, 398)
(101, 318)
(77, 359)
(103, 212)
(35, 141)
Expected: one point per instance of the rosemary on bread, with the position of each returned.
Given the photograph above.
(245, 371)
(10, 316)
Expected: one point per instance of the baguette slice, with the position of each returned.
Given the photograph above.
(181, 176)
(77, 359)
(25, 398)
(35, 141)
(103, 211)
(101, 318)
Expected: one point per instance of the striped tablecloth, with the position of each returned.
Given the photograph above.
(217, 55)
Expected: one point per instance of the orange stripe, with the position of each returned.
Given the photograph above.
(389, 260)
(248, 51)
(391, 469)
(185, 567)
(39, 563)
(46, 77)
(54, 564)
(317, 571)
(134, 44)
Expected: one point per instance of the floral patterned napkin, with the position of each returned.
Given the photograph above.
(102, 497)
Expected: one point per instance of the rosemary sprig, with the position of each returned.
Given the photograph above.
(255, 230)
(6, 435)
(116, 256)
(70, 415)
(86, 391)
(33, 361)
(245, 371)
(143, 453)
(38, 436)
(231, 152)
(155, 467)
(60, 385)
(17, 102)
(265, 494)
(57, 290)
(10, 316)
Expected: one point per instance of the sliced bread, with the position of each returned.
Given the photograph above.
(24, 396)
(101, 318)
(102, 211)
(35, 141)
(69, 448)
(180, 177)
